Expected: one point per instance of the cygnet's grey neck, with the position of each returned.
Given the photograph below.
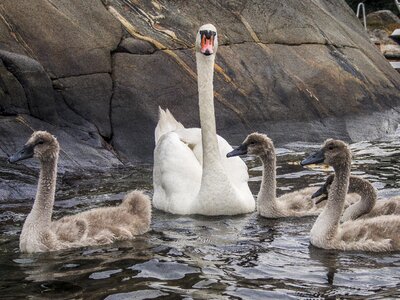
(325, 227)
(367, 202)
(267, 195)
(43, 206)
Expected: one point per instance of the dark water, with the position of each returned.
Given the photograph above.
(243, 257)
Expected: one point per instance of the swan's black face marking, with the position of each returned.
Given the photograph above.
(208, 34)
(207, 38)
(26, 152)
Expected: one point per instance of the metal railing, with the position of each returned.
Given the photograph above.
(361, 7)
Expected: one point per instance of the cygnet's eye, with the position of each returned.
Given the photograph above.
(252, 143)
(41, 142)
(331, 147)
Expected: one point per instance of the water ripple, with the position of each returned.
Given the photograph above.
(241, 257)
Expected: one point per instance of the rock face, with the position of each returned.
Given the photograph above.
(383, 19)
(381, 25)
(94, 73)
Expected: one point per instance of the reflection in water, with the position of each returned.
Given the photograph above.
(328, 259)
(247, 256)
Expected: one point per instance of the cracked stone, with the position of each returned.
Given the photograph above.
(135, 46)
(89, 96)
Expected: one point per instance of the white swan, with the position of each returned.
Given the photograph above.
(372, 234)
(294, 204)
(367, 206)
(191, 173)
(92, 227)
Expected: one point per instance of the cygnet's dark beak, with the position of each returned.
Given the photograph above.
(316, 158)
(322, 191)
(25, 153)
(241, 150)
(323, 198)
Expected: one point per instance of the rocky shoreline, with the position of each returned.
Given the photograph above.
(94, 73)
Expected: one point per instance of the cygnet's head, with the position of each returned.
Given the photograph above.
(255, 144)
(207, 40)
(332, 152)
(41, 145)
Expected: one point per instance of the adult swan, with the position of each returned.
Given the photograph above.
(188, 180)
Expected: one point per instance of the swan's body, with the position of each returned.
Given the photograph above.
(373, 234)
(191, 174)
(93, 227)
(294, 204)
(367, 206)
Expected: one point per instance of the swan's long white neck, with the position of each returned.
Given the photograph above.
(205, 73)
(42, 209)
(215, 184)
(267, 204)
(326, 225)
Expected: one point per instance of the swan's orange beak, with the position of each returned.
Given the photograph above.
(207, 42)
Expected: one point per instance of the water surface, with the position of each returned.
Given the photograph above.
(242, 257)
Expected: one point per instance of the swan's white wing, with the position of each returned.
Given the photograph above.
(176, 175)
(234, 167)
(177, 172)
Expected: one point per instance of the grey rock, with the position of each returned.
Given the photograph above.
(77, 153)
(383, 19)
(135, 102)
(12, 95)
(89, 96)
(67, 37)
(391, 51)
(135, 46)
(291, 87)
(379, 36)
(35, 82)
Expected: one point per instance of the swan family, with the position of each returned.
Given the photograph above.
(196, 171)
